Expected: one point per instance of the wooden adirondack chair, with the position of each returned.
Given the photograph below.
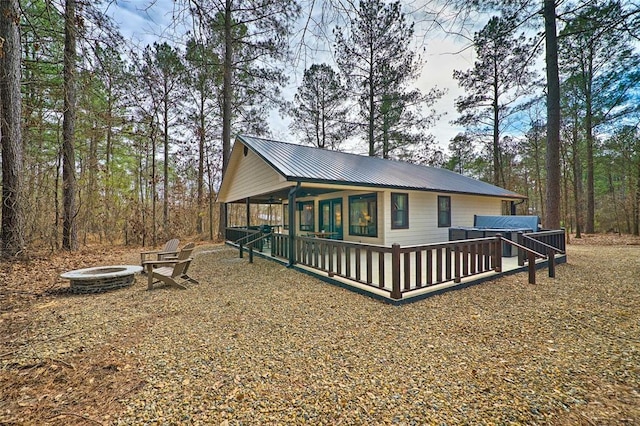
(169, 251)
(171, 271)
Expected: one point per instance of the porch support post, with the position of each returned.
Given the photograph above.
(226, 217)
(292, 225)
(248, 202)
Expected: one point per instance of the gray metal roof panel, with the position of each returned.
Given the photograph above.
(305, 163)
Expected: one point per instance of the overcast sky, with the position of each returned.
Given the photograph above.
(143, 22)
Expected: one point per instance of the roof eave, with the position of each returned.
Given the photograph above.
(398, 187)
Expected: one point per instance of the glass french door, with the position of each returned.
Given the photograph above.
(331, 218)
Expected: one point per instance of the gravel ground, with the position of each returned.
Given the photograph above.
(261, 344)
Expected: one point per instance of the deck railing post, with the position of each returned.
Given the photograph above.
(274, 249)
(250, 253)
(240, 250)
(457, 273)
(551, 260)
(521, 253)
(532, 268)
(498, 252)
(395, 272)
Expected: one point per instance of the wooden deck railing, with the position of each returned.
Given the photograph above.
(280, 245)
(361, 263)
(244, 236)
(399, 271)
(395, 270)
(539, 242)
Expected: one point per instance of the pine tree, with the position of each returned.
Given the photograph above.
(203, 80)
(377, 59)
(13, 225)
(70, 226)
(601, 67)
(501, 76)
(320, 110)
(252, 36)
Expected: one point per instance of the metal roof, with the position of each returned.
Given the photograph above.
(310, 164)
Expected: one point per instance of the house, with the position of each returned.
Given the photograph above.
(356, 198)
(384, 225)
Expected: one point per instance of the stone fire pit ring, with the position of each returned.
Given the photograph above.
(101, 278)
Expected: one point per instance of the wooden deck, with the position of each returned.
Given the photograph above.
(401, 274)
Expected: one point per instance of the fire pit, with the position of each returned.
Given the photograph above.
(101, 278)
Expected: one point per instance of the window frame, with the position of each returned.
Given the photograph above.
(302, 225)
(354, 229)
(442, 224)
(394, 210)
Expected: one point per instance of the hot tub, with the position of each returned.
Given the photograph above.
(490, 226)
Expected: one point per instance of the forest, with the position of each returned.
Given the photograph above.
(112, 142)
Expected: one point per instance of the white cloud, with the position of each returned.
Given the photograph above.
(142, 21)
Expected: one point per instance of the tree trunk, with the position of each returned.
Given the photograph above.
(566, 211)
(107, 225)
(165, 204)
(13, 225)
(201, 152)
(552, 213)
(226, 107)
(69, 224)
(588, 127)
(577, 181)
(539, 188)
(89, 222)
(636, 202)
(372, 143)
(496, 128)
(154, 192)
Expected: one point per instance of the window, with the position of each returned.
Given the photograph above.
(444, 211)
(285, 216)
(363, 215)
(306, 216)
(399, 211)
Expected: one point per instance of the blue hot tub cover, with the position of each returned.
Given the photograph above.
(506, 222)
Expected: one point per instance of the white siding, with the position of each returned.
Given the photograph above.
(423, 216)
(248, 176)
